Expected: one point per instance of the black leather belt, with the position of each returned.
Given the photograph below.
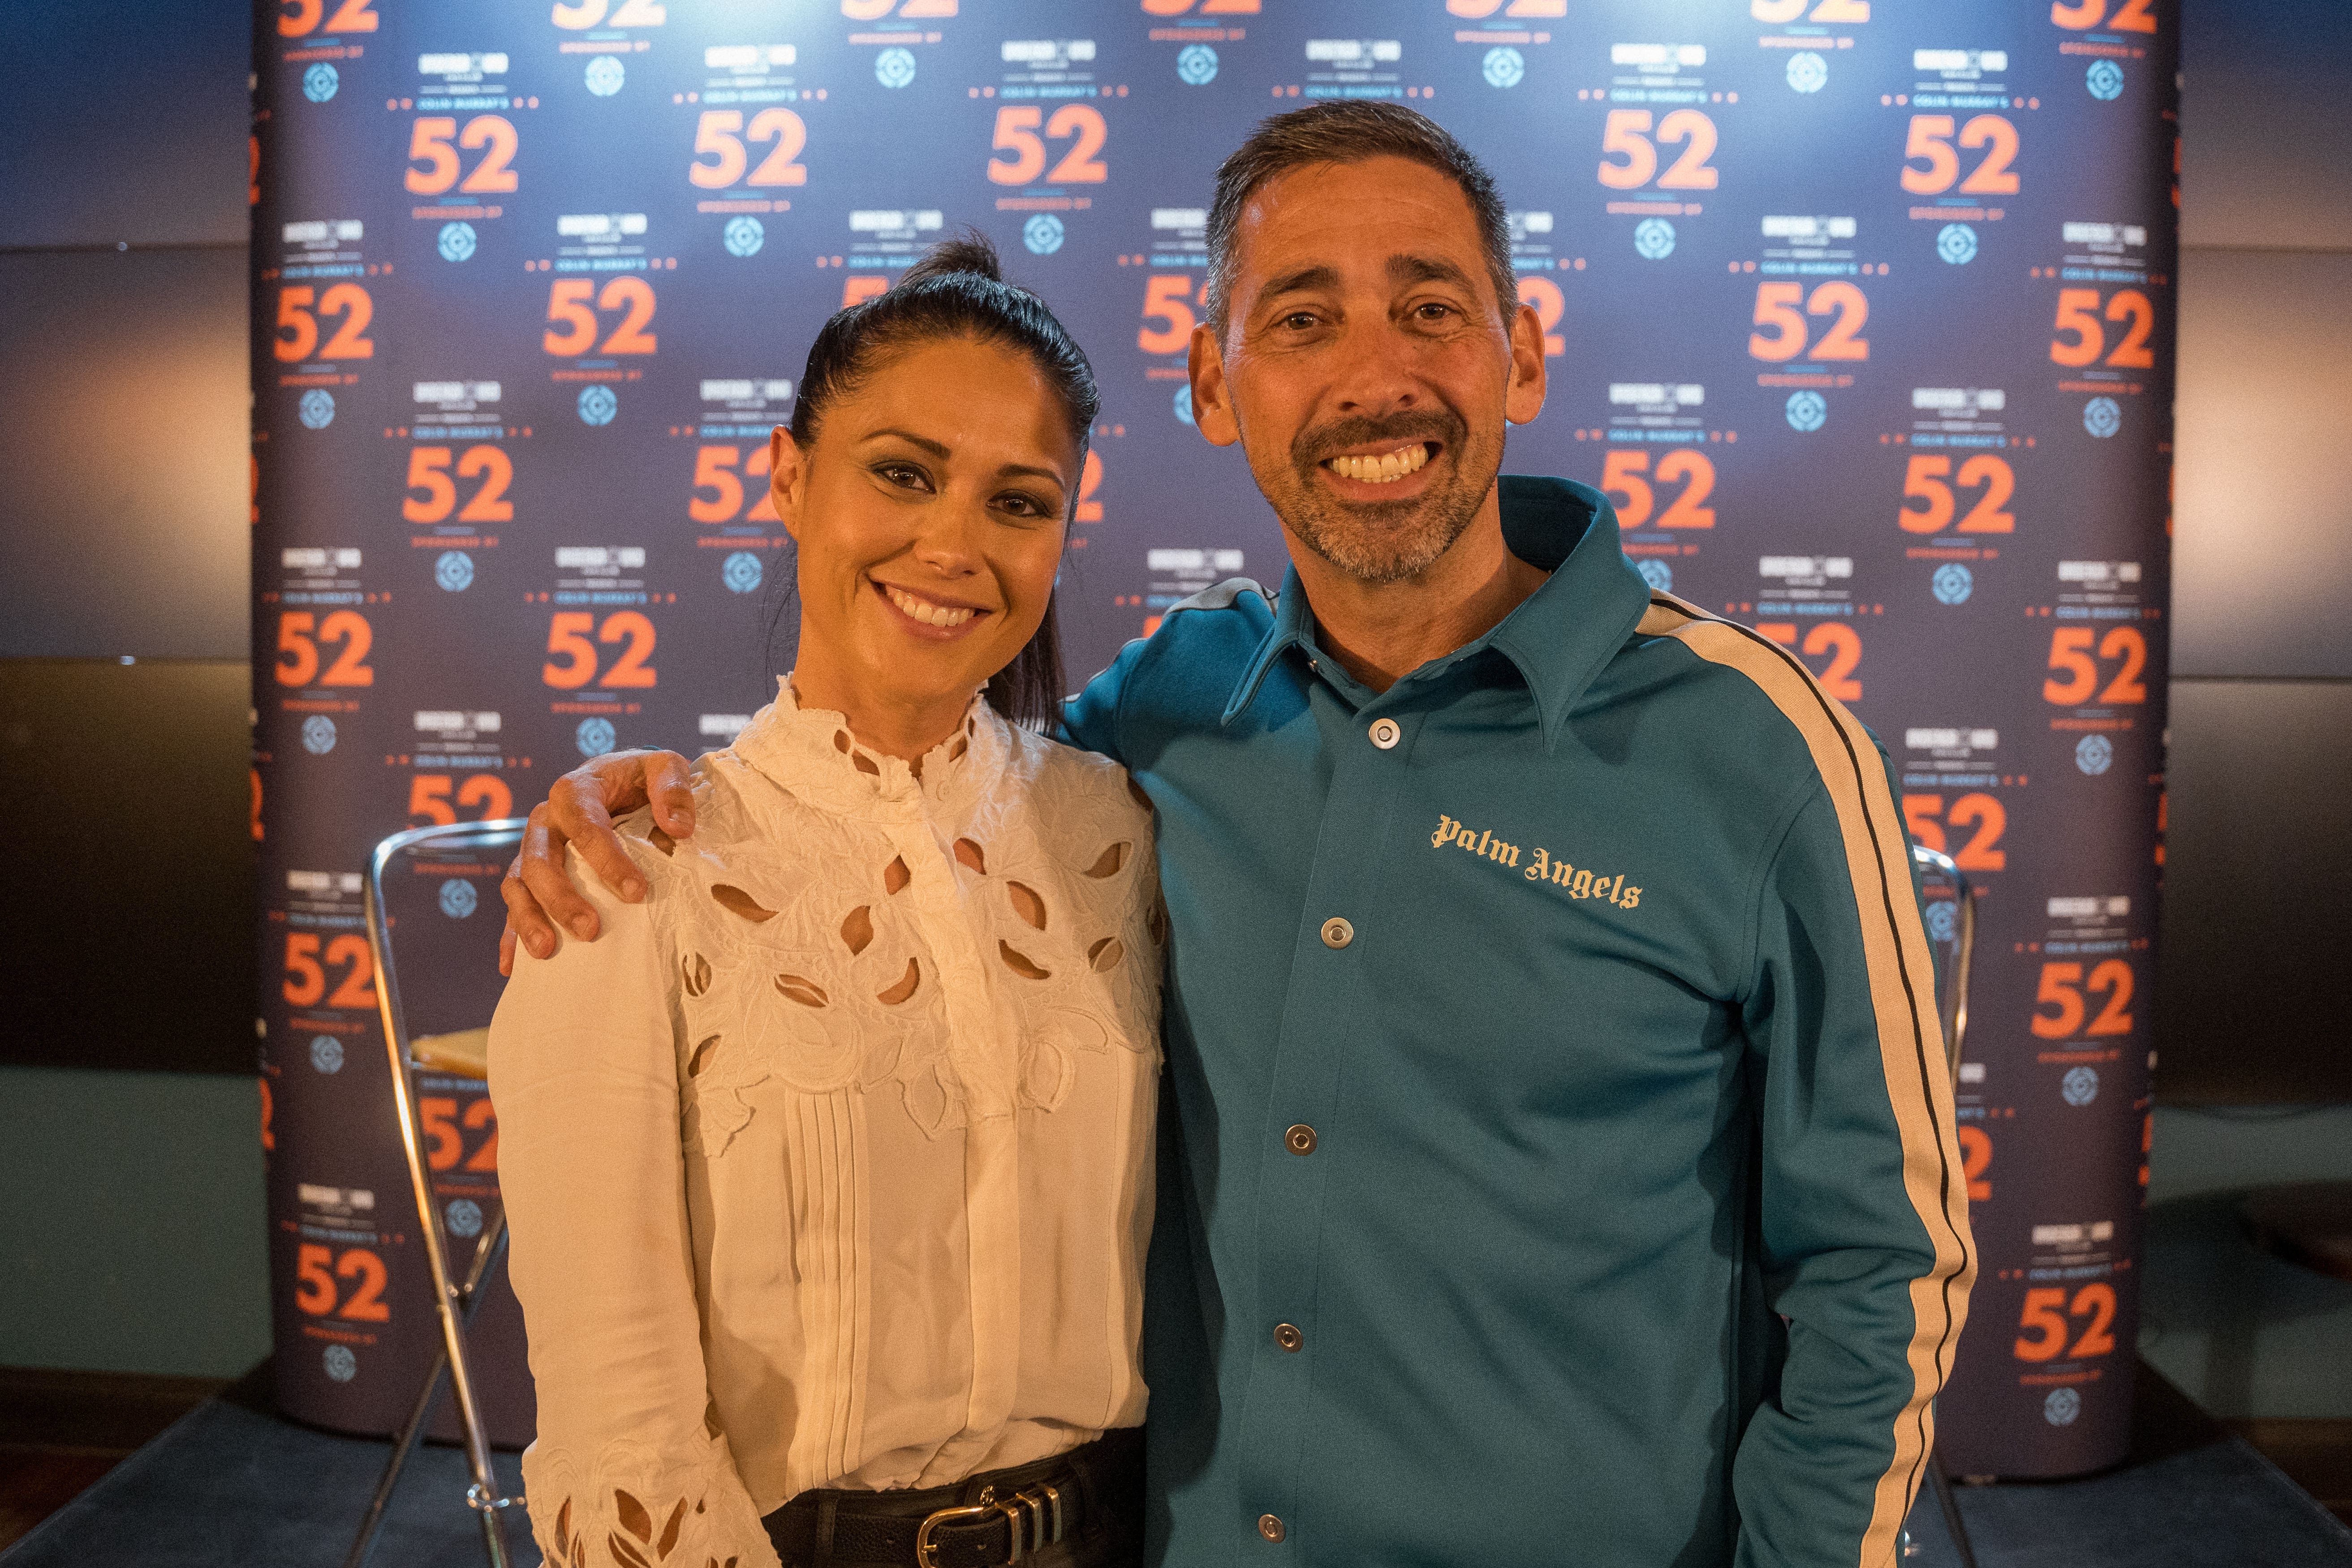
(990, 1521)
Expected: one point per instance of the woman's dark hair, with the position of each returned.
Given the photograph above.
(958, 291)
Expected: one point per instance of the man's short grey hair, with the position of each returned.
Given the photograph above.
(1349, 131)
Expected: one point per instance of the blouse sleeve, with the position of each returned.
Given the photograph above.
(627, 1471)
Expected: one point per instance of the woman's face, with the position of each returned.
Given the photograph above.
(930, 516)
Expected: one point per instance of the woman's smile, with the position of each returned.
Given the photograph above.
(931, 617)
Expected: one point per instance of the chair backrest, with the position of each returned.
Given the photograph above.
(1951, 912)
(433, 909)
(433, 915)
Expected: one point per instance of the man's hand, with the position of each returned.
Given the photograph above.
(579, 811)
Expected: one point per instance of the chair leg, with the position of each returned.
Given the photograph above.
(1951, 1507)
(404, 1442)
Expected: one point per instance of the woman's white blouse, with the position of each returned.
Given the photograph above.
(829, 1164)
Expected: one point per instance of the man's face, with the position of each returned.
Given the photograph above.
(1367, 367)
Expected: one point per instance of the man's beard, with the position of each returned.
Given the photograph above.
(1386, 542)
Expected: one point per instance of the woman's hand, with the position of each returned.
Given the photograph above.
(580, 810)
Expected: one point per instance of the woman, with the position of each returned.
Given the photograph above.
(828, 1165)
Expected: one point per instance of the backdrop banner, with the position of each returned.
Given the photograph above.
(1860, 310)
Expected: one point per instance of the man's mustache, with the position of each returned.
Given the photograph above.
(1312, 446)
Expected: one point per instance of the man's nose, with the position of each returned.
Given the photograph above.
(1376, 372)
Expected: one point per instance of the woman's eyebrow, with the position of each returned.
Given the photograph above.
(935, 449)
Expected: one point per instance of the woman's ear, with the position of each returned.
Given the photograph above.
(787, 478)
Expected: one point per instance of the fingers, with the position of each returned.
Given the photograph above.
(668, 785)
(545, 880)
(526, 921)
(578, 805)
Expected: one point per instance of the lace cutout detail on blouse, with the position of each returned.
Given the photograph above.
(632, 1511)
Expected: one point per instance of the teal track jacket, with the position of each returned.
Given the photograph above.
(1558, 1160)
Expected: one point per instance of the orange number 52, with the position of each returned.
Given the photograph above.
(349, 341)
(300, 665)
(2096, 1301)
(1776, 307)
(2069, 652)
(567, 635)
(428, 143)
(315, 1269)
(567, 303)
(716, 136)
(2063, 986)
(1016, 133)
(1621, 476)
(306, 970)
(1923, 480)
(2078, 312)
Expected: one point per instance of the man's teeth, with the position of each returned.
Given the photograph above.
(1382, 470)
(923, 610)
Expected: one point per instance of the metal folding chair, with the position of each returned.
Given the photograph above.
(462, 1053)
(1953, 1005)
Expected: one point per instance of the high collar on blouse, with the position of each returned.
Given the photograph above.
(811, 752)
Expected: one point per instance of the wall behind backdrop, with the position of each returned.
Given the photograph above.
(1862, 315)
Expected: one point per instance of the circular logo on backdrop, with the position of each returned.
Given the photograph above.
(2106, 80)
(1196, 65)
(1808, 411)
(1654, 240)
(456, 242)
(1042, 234)
(318, 734)
(454, 571)
(341, 1364)
(1658, 575)
(317, 408)
(2061, 1405)
(894, 67)
(2102, 417)
(742, 236)
(465, 1217)
(605, 76)
(598, 405)
(1956, 243)
(2094, 755)
(319, 83)
(458, 898)
(1184, 403)
(595, 737)
(1952, 584)
(326, 1053)
(2080, 1085)
(1503, 67)
(741, 571)
(1807, 71)
(1942, 920)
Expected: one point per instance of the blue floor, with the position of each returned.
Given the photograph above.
(232, 1486)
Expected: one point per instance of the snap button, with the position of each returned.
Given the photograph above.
(1270, 1527)
(1338, 932)
(1385, 733)
(1287, 1336)
(1299, 1140)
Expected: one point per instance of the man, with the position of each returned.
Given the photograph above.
(1557, 1162)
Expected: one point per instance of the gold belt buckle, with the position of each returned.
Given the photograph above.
(926, 1551)
(1032, 1516)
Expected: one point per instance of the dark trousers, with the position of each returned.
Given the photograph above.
(1101, 1484)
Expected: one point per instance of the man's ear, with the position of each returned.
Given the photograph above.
(787, 478)
(1524, 398)
(1213, 408)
